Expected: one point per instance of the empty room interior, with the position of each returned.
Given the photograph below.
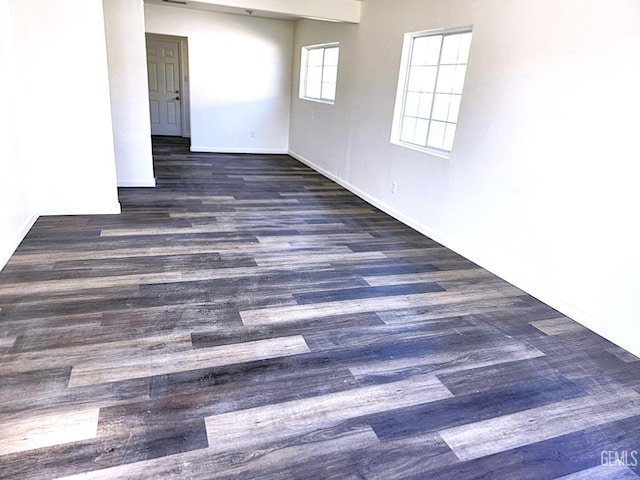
(300, 239)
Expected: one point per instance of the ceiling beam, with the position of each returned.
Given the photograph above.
(328, 10)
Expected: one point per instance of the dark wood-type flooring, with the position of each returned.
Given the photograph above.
(250, 319)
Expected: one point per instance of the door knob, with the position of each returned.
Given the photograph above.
(177, 98)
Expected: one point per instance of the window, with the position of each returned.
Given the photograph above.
(430, 85)
(319, 72)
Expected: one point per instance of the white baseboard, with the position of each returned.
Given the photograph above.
(137, 182)
(256, 151)
(11, 246)
(499, 268)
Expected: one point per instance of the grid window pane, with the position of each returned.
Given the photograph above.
(436, 134)
(330, 74)
(458, 78)
(319, 75)
(315, 57)
(408, 129)
(412, 104)
(424, 110)
(449, 133)
(416, 79)
(331, 56)
(441, 107)
(432, 93)
(329, 91)
(426, 50)
(313, 89)
(465, 46)
(422, 129)
(422, 79)
(450, 49)
(314, 74)
(446, 79)
(454, 108)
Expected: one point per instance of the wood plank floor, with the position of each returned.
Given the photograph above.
(248, 318)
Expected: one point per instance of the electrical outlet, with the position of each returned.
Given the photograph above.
(253, 134)
(394, 187)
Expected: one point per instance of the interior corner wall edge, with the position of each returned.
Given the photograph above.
(126, 53)
(540, 189)
(236, 104)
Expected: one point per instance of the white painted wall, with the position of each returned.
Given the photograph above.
(240, 77)
(124, 28)
(17, 213)
(57, 145)
(67, 137)
(542, 185)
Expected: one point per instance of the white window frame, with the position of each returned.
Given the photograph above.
(323, 97)
(403, 90)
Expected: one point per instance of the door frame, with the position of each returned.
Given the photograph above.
(185, 96)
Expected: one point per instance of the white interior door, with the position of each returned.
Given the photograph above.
(163, 66)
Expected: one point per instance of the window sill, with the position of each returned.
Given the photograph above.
(318, 100)
(431, 151)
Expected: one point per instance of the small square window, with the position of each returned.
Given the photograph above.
(430, 84)
(319, 72)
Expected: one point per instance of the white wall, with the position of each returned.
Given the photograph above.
(67, 138)
(124, 28)
(240, 77)
(57, 145)
(542, 185)
(17, 213)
